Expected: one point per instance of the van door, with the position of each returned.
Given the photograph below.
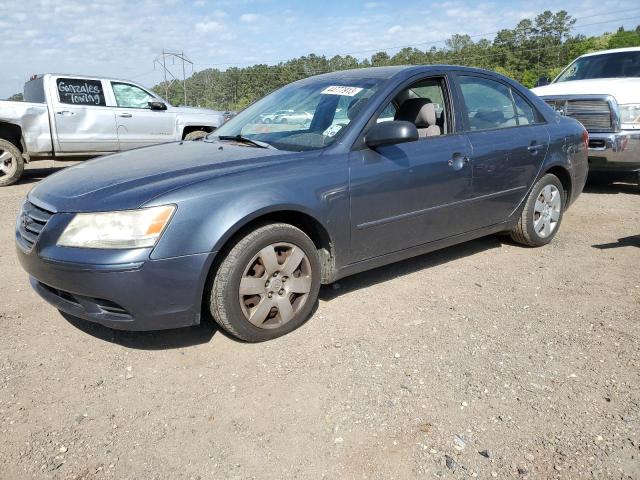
(83, 121)
(138, 125)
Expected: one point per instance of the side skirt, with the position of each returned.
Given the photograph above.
(393, 257)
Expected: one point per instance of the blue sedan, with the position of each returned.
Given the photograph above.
(246, 225)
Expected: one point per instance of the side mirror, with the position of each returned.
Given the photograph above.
(542, 81)
(157, 105)
(391, 133)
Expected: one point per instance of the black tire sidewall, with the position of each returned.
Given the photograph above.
(15, 151)
(234, 314)
(548, 179)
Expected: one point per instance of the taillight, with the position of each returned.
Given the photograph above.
(585, 138)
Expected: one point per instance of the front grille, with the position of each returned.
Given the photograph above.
(31, 221)
(594, 114)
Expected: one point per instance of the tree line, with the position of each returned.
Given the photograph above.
(539, 47)
(534, 48)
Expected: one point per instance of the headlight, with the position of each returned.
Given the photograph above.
(125, 229)
(630, 115)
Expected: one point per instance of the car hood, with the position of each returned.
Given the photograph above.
(624, 90)
(130, 179)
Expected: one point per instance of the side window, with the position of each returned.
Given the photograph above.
(488, 103)
(130, 96)
(77, 91)
(423, 104)
(526, 113)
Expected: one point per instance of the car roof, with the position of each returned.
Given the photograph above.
(393, 71)
(613, 50)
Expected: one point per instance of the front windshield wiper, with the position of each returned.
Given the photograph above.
(247, 140)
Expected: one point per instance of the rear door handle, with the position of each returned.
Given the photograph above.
(125, 115)
(535, 147)
(65, 113)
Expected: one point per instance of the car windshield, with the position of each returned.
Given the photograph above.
(608, 65)
(302, 116)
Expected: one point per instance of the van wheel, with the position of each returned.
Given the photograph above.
(11, 163)
(196, 135)
(542, 214)
(267, 285)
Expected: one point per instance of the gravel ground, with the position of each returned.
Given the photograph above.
(482, 360)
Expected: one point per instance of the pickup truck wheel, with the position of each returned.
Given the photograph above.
(267, 285)
(11, 163)
(196, 135)
(540, 219)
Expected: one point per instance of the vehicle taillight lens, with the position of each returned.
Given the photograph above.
(585, 138)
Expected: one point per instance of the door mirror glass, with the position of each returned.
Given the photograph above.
(157, 105)
(391, 133)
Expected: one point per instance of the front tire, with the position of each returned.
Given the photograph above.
(267, 285)
(11, 163)
(542, 214)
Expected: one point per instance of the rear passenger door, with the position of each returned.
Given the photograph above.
(83, 121)
(509, 142)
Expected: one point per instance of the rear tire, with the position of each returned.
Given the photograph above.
(542, 214)
(11, 163)
(267, 285)
(196, 135)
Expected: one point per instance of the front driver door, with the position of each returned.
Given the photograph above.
(412, 193)
(138, 125)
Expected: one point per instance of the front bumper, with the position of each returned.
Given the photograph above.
(618, 151)
(146, 295)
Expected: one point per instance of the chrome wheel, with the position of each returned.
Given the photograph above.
(275, 285)
(546, 211)
(8, 164)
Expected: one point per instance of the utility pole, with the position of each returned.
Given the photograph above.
(169, 77)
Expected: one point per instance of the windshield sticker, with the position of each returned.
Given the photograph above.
(332, 130)
(344, 91)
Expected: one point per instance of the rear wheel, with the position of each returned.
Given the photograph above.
(196, 135)
(268, 283)
(542, 214)
(11, 163)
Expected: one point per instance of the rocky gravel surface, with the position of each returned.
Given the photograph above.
(485, 360)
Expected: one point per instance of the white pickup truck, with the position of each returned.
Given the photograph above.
(76, 117)
(602, 91)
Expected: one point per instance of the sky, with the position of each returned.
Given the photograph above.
(121, 38)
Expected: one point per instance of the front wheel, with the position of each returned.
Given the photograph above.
(11, 163)
(540, 219)
(267, 285)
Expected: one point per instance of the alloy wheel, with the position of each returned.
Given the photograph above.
(8, 164)
(546, 211)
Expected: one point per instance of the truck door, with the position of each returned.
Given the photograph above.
(83, 121)
(138, 125)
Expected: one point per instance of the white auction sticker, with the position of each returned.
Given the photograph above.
(344, 91)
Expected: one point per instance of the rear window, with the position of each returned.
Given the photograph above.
(34, 91)
(77, 91)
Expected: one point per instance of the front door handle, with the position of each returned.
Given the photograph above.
(125, 115)
(66, 113)
(535, 147)
(458, 161)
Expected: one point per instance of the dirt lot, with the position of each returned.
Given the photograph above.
(483, 360)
